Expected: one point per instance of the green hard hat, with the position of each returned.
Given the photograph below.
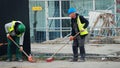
(21, 28)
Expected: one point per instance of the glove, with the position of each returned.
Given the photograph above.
(71, 38)
(21, 48)
(8, 35)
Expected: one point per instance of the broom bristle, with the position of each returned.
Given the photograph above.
(50, 59)
(30, 59)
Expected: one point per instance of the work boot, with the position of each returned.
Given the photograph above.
(14, 59)
(8, 60)
(73, 60)
(20, 60)
(81, 60)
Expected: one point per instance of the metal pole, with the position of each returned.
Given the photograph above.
(60, 19)
(115, 3)
(93, 4)
(46, 14)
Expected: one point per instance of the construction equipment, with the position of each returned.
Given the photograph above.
(50, 59)
(30, 58)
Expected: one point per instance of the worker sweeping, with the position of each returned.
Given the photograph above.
(15, 30)
(78, 24)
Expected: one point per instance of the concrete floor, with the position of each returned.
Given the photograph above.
(51, 48)
(104, 49)
(60, 64)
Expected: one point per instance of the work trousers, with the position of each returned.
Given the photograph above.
(12, 47)
(78, 45)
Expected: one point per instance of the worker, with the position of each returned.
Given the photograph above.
(16, 30)
(79, 25)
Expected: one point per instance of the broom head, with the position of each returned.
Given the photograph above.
(50, 59)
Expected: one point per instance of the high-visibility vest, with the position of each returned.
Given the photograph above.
(80, 27)
(10, 29)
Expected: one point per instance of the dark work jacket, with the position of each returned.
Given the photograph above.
(74, 25)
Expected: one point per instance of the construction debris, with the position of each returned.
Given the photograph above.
(103, 27)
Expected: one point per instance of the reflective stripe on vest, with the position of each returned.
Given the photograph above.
(80, 27)
(12, 27)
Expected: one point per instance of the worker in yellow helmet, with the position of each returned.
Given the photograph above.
(79, 25)
(16, 30)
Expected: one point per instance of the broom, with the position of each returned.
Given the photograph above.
(30, 58)
(51, 58)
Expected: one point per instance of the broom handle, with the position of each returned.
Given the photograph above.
(60, 49)
(76, 34)
(18, 45)
(63, 46)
